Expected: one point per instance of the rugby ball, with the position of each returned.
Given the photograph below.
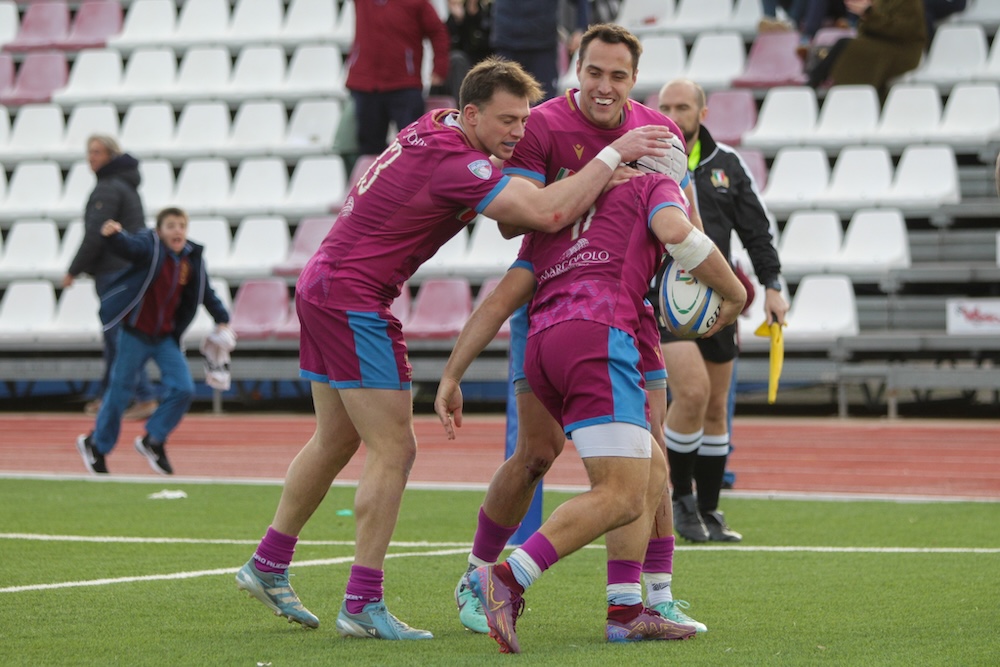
(688, 307)
(674, 164)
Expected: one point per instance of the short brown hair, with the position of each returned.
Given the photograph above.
(495, 74)
(169, 212)
(612, 33)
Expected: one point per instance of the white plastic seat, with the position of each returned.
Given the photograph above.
(640, 15)
(787, 117)
(147, 22)
(926, 177)
(860, 176)
(79, 183)
(489, 253)
(716, 59)
(317, 183)
(203, 74)
(150, 76)
(258, 129)
(980, 12)
(957, 53)
(31, 186)
(96, 76)
(71, 239)
(4, 127)
(148, 128)
(259, 187)
(745, 18)
(810, 241)
(37, 130)
(85, 120)
(259, 72)
(202, 185)
(822, 310)
(911, 110)
(10, 21)
(343, 33)
(215, 234)
(254, 22)
(27, 307)
(156, 186)
(308, 21)
(695, 16)
(311, 129)
(847, 112)
(202, 130)
(971, 116)
(259, 244)
(670, 55)
(447, 260)
(876, 241)
(76, 320)
(991, 68)
(30, 246)
(203, 324)
(315, 70)
(797, 175)
(200, 23)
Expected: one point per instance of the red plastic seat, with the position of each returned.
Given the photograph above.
(309, 234)
(95, 22)
(6, 72)
(440, 309)
(773, 61)
(289, 329)
(43, 26)
(41, 74)
(757, 166)
(730, 114)
(260, 307)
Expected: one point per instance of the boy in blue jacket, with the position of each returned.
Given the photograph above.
(155, 300)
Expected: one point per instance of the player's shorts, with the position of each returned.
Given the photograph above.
(586, 373)
(719, 349)
(615, 439)
(649, 351)
(352, 349)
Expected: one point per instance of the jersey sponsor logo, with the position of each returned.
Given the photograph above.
(578, 149)
(719, 178)
(481, 169)
(585, 258)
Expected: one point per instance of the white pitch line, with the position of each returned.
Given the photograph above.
(113, 539)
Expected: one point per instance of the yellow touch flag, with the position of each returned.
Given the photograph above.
(777, 357)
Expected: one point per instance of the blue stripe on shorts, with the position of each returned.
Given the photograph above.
(623, 370)
(376, 358)
(518, 342)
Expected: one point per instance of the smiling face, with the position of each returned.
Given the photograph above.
(607, 76)
(497, 126)
(172, 230)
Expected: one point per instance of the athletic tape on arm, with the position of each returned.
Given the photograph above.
(692, 251)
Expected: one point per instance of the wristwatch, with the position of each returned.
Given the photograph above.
(774, 284)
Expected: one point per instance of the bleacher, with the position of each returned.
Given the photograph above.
(234, 107)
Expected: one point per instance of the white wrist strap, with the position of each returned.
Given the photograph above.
(610, 157)
(692, 251)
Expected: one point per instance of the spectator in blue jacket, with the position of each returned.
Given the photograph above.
(154, 300)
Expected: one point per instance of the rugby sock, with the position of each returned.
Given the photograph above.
(274, 553)
(531, 559)
(657, 569)
(363, 586)
(490, 539)
(624, 586)
(710, 467)
(682, 453)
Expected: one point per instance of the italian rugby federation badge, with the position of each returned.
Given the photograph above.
(481, 169)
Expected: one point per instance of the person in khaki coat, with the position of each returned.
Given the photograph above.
(892, 35)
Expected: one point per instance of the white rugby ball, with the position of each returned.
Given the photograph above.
(689, 308)
(674, 164)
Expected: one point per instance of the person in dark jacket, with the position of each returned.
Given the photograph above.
(700, 372)
(115, 197)
(154, 300)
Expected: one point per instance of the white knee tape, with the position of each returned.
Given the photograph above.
(692, 251)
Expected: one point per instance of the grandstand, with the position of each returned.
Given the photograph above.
(885, 215)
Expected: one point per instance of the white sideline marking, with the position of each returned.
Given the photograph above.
(38, 537)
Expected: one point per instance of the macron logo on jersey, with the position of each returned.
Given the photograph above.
(481, 169)
(578, 149)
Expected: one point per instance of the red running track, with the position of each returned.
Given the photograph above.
(813, 456)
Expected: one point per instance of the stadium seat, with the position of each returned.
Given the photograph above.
(202, 130)
(27, 308)
(94, 23)
(41, 74)
(670, 55)
(343, 33)
(971, 117)
(787, 117)
(489, 252)
(926, 177)
(957, 53)
(645, 15)
(78, 185)
(259, 308)
(911, 111)
(85, 120)
(745, 18)
(7, 76)
(447, 260)
(315, 70)
(31, 184)
(10, 23)
(311, 129)
(809, 241)
(203, 324)
(157, 185)
(147, 129)
(876, 241)
(68, 246)
(847, 112)
(716, 59)
(215, 234)
(693, 17)
(316, 187)
(200, 23)
(290, 328)
(440, 309)
(772, 61)
(258, 129)
(361, 165)
(204, 72)
(822, 310)
(797, 175)
(76, 321)
(202, 185)
(259, 187)
(259, 72)
(254, 22)
(756, 166)
(43, 26)
(37, 130)
(985, 13)
(861, 175)
(308, 21)
(96, 76)
(31, 245)
(150, 75)
(309, 234)
(730, 114)
(260, 243)
(147, 23)
(402, 304)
